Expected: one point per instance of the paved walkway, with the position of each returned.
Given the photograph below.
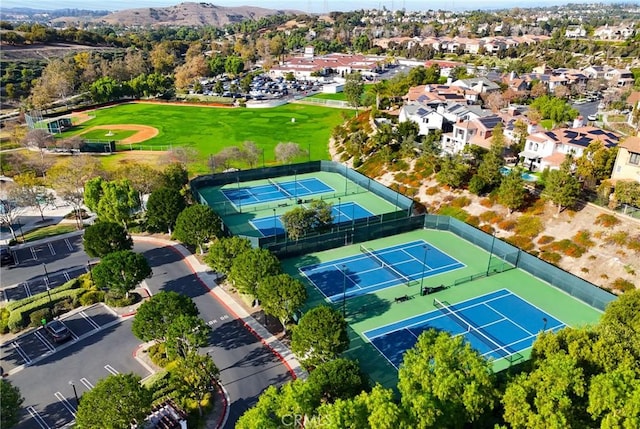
(208, 279)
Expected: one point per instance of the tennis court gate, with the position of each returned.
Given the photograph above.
(512, 255)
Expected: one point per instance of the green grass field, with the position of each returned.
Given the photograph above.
(209, 130)
(117, 134)
(379, 308)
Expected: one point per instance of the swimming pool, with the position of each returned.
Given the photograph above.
(525, 176)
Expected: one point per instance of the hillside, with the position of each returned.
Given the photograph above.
(188, 14)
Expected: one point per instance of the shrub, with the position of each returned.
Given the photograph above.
(545, 239)
(487, 228)
(521, 241)
(528, 226)
(455, 212)
(91, 297)
(158, 354)
(37, 316)
(473, 220)
(551, 257)
(486, 202)
(537, 208)
(583, 238)
(507, 224)
(19, 317)
(584, 270)
(121, 301)
(634, 243)
(448, 198)
(607, 220)
(604, 276)
(4, 318)
(461, 201)
(432, 190)
(619, 238)
(622, 285)
(629, 269)
(567, 247)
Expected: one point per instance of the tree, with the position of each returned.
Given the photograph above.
(103, 238)
(549, 396)
(10, 210)
(197, 225)
(281, 296)
(454, 171)
(251, 153)
(614, 397)
(185, 334)
(627, 192)
(596, 163)
(10, 405)
(113, 201)
(444, 382)
(250, 267)
(287, 152)
(223, 252)
(561, 187)
(297, 222)
(223, 159)
(196, 375)
(115, 402)
(175, 175)
(511, 192)
(105, 89)
(321, 335)
(121, 271)
(163, 208)
(143, 177)
(31, 192)
(233, 65)
(56, 83)
(353, 89)
(155, 315)
(162, 58)
(539, 89)
(492, 161)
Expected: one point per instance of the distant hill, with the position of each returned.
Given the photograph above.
(189, 14)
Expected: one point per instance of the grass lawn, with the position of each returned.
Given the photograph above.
(337, 96)
(208, 130)
(102, 134)
(48, 231)
(547, 124)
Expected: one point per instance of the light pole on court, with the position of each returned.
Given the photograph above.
(339, 211)
(544, 325)
(275, 225)
(424, 265)
(344, 291)
(75, 392)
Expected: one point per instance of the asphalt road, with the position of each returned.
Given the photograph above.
(247, 367)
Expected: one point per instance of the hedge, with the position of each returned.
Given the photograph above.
(19, 318)
(71, 284)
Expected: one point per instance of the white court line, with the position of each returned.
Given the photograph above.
(68, 243)
(90, 320)
(86, 383)
(44, 341)
(60, 397)
(111, 369)
(53, 251)
(37, 418)
(22, 353)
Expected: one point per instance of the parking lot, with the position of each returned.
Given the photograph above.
(36, 344)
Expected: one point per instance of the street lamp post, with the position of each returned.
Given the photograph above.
(339, 211)
(344, 291)
(90, 270)
(424, 265)
(46, 281)
(275, 225)
(75, 392)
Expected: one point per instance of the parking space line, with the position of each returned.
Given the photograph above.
(37, 418)
(90, 320)
(86, 383)
(15, 257)
(34, 253)
(111, 369)
(53, 251)
(60, 397)
(22, 353)
(66, 240)
(27, 289)
(66, 275)
(44, 341)
(74, 336)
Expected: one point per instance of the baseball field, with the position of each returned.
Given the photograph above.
(210, 129)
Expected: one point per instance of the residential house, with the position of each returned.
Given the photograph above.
(478, 84)
(428, 119)
(548, 149)
(575, 32)
(614, 32)
(619, 77)
(476, 131)
(435, 95)
(462, 112)
(633, 100)
(627, 166)
(595, 72)
(513, 81)
(446, 67)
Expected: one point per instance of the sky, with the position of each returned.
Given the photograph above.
(315, 6)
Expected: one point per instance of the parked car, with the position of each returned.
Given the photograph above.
(592, 117)
(57, 331)
(6, 257)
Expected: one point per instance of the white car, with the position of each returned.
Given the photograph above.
(592, 117)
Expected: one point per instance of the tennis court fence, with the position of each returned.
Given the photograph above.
(512, 255)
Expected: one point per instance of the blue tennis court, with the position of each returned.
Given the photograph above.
(374, 270)
(498, 325)
(274, 191)
(272, 225)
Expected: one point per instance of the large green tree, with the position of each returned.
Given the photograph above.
(250, 267)
(103, 238)
(113, 201)
(196, 225)
(561, 186)
(175, 176)
(10, 402)
(163, 207)
(223, 252)
(444, 382)
(281, 296)
(196, 375)
(353, 89)
(454, 171)
(511, 192)
(114, 403)
(489, 169)
(121, 271)
(185, 334)
(155, 315)
(596, 163)
(321, 335)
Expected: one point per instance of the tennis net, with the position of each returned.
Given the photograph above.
(384, 265)
(281, 189)
(495, 345)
